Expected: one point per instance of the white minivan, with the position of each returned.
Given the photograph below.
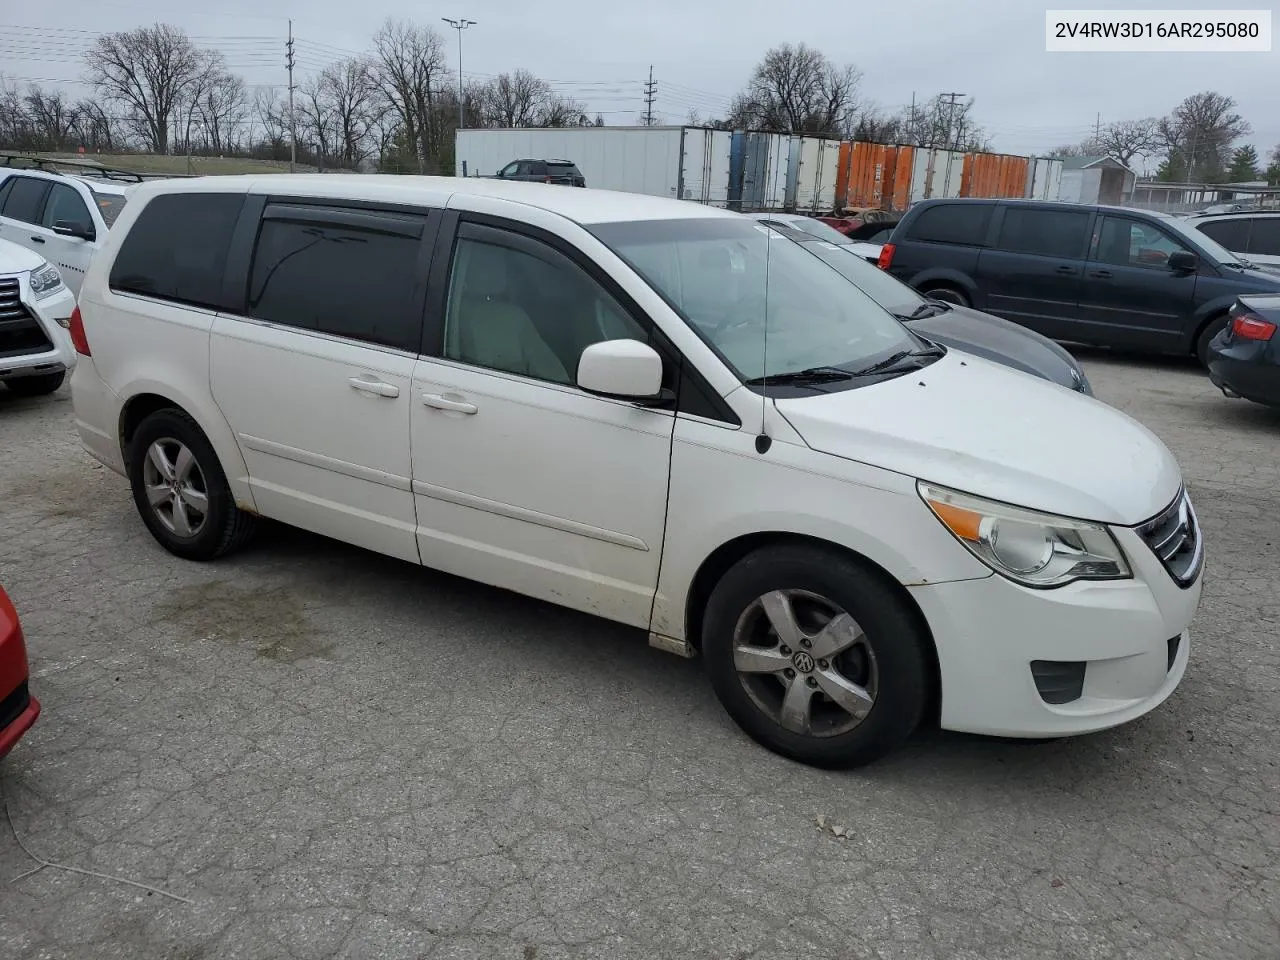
(655, 411)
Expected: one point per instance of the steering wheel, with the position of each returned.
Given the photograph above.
(752, 305)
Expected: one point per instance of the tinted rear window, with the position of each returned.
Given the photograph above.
(964, 223)
(25, 199)
(177, 248)
(1232, 234)
(1046, 233)
(1265, 237)
(562, 170)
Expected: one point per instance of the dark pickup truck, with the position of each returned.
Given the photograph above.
(563, 172)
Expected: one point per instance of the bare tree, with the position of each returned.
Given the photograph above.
(515, 99)
(147, 71)
(1127, 139)
(95, 127)
(560, 111)
(14, 127)
(353, 103)
(1198, 135)
(796, 89)
(317, 121)
(271, 113)
(409, 67)
(52, 118)
(221, 110)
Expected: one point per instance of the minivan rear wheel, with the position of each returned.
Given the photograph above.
(947, 294)
(180, 490)
(815, 656)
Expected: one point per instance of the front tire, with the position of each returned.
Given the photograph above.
(180, 490)
(36, 386)
(1211, 330)
(815, 656)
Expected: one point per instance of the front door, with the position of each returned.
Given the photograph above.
(1130, 297)
(521, 479)
(1033, 273)
(69, 254)
(315, 376)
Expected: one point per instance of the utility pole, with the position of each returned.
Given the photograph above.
(911, 130)
(650, 94)
(1097, 130)
(293, 125)
(459, 25)
(951, 114)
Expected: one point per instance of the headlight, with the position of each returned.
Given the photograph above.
(44, 281)
(1031, 548)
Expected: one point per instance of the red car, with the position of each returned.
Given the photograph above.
(18, 709)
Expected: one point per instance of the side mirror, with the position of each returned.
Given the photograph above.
(623, 370)
(69, 228)
(1183, 261)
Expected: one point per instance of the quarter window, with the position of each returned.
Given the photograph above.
(518, 305)
(1265, 238)
(177, 248)
(25, 199)
(963, 223)
(1046, 233)
(353, 276)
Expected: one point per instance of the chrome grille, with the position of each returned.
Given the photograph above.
(11, 307)
(1174, 537)
(20, 333)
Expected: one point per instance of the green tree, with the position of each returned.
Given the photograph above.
(1273, 171)
(1244, 164)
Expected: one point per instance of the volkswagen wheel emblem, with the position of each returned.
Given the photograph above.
(803, 662)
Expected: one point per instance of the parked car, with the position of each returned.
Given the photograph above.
(1103, 275)
(63, 218)
(875, 231)
(1244, 359)
(1250, 236)
(1218, 208)
(18, 708)
(820, 231)
(963, 328)
(562, 172)
(569, 395)
(35, 315)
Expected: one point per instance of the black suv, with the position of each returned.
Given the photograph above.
(1111, 276)
(563, 172)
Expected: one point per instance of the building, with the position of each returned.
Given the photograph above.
(1096, 180)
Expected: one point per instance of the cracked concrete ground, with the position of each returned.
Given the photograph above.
(332, 754)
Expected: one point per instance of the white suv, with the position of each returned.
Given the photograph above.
(64, 219)
(655, 411)
(1254, 235)
(35, 314)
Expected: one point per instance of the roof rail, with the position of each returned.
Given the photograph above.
(22, 161)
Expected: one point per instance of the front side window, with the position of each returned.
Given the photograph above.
(763, 303)
(177, 248)
(520, 306)
(1129, 243)
(1046, 233)
(64, 203)
(25, 199)
(510, 169)
(345, 279)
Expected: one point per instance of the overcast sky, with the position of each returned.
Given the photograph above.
(702, 52)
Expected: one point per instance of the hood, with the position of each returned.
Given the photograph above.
(996, 339)
(985, 429)
(1257, 278)
(16, 259)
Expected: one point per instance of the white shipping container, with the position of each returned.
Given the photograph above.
(1044, 179)
(812, 164)
(676, 162)
(936, 173)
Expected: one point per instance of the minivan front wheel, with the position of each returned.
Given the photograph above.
(180, 490)
(815, 657)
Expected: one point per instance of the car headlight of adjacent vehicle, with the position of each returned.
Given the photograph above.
(45, 280)
(1031, 548)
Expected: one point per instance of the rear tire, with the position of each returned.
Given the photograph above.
(948, 294)
(36, 386)
(180, 490)
(815, 656)
(1211, 330)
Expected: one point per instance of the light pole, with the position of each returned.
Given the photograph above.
(459, 25)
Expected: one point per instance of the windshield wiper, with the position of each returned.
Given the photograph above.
(927, 309)
(889, 363)
(801, 377)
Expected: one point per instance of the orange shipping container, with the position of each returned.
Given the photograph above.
(993, 175)
(870, 176)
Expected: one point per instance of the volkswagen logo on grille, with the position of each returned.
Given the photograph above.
(803, 662)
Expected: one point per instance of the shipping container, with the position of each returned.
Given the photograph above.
(993, 175)
(874, 176)
(812, 165)
(689, 163)
(758, 171)
(1044, 179)
(936, 173)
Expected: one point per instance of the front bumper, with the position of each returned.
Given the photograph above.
(989, 632)
(19, 723)
(50, 313)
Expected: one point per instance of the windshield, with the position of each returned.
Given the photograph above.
(719, 274)
(891, 293)
(1209, 245)
(109, 205)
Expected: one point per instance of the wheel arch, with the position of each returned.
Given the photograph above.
(720, 560)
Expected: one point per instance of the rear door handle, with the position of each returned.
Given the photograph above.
(441, 402)
(375, 387)
(1100, 274)
(37, 239)
(1066, 269)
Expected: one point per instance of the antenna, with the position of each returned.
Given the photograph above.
(763, 440)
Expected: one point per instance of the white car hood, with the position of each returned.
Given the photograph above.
(976, 426)
(16, 259)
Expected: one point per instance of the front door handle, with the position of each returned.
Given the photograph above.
(375, 387)
(37, 239)
(1066, 269)
(1101, 274)
(441, 402)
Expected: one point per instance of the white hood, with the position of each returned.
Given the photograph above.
(16, 259)
(985, 429)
